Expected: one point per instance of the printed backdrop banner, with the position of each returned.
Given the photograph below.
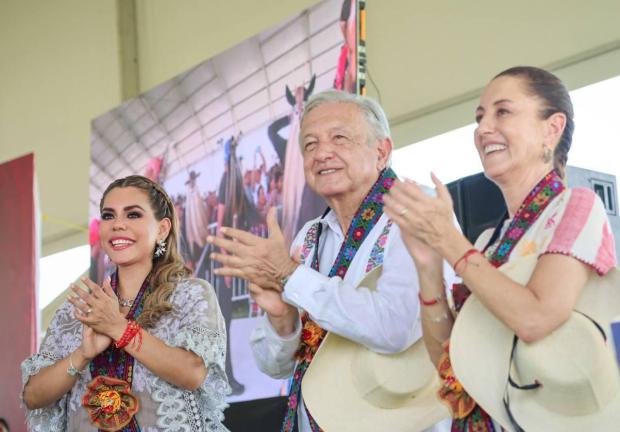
(222, 138)
(18, 260)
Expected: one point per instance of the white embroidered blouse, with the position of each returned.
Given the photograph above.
(195, 324)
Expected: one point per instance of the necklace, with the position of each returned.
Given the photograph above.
(125, 302)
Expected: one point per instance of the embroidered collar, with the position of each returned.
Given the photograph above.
(528, 213)
(117, 363)
(363, 221)
(312, 334)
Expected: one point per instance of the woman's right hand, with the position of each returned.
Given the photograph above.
(427, 218)
(424, 256)
(93, 343)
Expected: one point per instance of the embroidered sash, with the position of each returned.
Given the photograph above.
(312, 335)
(528, 213)
(117, 363)
(467, 414)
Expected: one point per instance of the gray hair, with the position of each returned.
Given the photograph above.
(375, 116)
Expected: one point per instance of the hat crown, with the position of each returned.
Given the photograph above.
(386, 383)
(574, 382)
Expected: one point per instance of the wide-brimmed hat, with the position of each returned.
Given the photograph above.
(575, 377)
(347, 387)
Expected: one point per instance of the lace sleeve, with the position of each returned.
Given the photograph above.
(200, 328)
(210, 345)
(62, 337)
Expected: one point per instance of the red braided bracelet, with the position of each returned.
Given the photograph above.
(432, 302)
(130, 332)
(464, 258)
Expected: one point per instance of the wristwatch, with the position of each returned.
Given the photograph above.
(284, 279)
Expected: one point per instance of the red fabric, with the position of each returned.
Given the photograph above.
(578, 210)
(18, 269)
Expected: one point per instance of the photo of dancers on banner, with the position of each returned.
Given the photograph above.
(223, 139)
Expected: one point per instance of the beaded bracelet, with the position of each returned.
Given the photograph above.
(464, 258)
(130, 332)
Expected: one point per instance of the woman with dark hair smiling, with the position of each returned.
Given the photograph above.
(526, 276)
(144, 351)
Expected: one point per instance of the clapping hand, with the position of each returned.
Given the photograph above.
(424, 220)
(98, 308)
(261, 261)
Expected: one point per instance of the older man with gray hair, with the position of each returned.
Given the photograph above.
(321, 285)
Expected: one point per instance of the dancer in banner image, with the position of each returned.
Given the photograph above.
(298, 200)
(196, 218)
(143, 351)
(234, 208)
(350, 285)
(546, 259)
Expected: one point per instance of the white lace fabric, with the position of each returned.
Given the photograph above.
(195, 324)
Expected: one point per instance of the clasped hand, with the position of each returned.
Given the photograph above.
(98, 310)
(425, 221)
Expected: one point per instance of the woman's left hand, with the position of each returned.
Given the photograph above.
(99, 309)
(418, 215)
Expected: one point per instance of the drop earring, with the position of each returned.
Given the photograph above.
(160, 250)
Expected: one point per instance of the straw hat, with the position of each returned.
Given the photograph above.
(347, 387)
(580, 388)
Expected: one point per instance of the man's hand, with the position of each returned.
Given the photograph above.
(282, 316)
(261, 261)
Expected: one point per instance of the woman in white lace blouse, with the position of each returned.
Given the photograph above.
(146, 350)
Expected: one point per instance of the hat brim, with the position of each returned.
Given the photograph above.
(480, 348)
(329, 392)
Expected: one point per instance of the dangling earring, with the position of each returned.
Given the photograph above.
(546, 154)
(161, 248)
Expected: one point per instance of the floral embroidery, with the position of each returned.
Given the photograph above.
(309, 242)
(117, 363)
(360, 227)
(378, 250)
(342, 270)
(110, 403)
(194, 325)
(451, 391)
(312, 335)
(368, 214)
(551, 221)
(358, 233)
(468, 416)
(529, 211)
